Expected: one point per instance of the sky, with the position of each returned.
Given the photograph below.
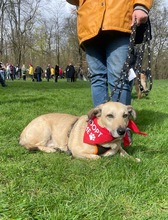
(68, 7)
(58, 7)
(59, 3)
(166, 3)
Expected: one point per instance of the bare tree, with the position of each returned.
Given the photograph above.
(57, 15)
(159, 20)
(21, 17)
(3, 4)
(72, 41)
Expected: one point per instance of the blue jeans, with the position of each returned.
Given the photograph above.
(2, 74)
(106, 54)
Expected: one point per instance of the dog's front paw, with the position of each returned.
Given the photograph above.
(138, 160)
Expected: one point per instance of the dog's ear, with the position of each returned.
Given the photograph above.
(95, 112)
(131, 111)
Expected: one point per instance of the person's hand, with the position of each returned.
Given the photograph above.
(140, 16)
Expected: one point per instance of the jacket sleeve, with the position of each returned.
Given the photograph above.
(146, 3)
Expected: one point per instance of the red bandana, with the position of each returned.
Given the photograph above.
(94, 134)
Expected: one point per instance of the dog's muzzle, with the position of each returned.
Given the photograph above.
(146, 92)
(121, 131)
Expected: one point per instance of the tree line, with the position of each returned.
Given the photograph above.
(34, 31)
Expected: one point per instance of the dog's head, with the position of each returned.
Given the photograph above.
(114, 116)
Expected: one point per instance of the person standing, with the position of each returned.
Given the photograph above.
(8, 70)
(31, 72)
(104, 29)
(61, 75)
(48, 73)
(24, 71)
(18, 72)
(38, 72)
(56, 72)
(52, 72)
(70, 73)
(12, 72)
(2, 76)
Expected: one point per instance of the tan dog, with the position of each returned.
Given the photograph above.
(56, 131)
(144, 85)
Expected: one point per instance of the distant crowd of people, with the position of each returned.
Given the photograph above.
(37, 73)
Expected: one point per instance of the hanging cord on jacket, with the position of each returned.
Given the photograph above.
(127, 65)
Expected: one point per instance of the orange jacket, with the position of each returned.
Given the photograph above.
(96, 15)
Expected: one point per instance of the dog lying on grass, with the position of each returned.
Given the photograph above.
(101, 132)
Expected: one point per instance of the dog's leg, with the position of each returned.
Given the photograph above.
(139, 94)
(41, 148)
(110, 152)
(123, 153)
(47, 149)
(137, 88)
(83, 150)
(91, 156)
(87, 156)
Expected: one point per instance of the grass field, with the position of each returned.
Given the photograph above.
(37, 186)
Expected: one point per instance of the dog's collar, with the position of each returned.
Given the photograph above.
(97, 135)
(69, 132)
(72, 125)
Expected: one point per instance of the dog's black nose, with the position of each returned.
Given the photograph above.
(121, 131)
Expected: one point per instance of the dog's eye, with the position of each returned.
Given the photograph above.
(125, 115)
(110, 116)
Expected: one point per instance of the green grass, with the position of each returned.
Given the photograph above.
(41, 186)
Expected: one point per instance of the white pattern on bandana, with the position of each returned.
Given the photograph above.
(93, 131)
